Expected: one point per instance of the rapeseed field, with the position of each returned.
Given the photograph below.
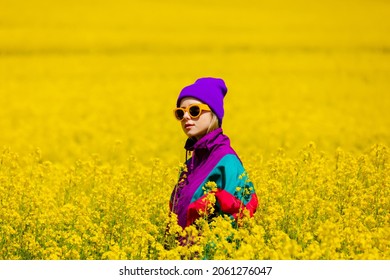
(90, 150)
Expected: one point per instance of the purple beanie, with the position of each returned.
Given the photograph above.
(210, 91)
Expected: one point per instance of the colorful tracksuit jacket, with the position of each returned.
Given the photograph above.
(213, 160)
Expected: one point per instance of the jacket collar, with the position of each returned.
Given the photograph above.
(207, 142)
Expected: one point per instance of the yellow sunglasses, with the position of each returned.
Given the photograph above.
(194, 110)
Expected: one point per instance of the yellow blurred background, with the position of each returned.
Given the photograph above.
(102, 77)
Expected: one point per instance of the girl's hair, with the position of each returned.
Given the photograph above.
(214, 124)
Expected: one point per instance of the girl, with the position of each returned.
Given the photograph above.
(214, 167)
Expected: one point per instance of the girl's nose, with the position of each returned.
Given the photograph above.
(186, 116)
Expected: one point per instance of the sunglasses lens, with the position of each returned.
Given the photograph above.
(179, 113)
(194, 111)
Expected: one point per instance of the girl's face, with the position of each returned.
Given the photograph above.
(195, 127)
